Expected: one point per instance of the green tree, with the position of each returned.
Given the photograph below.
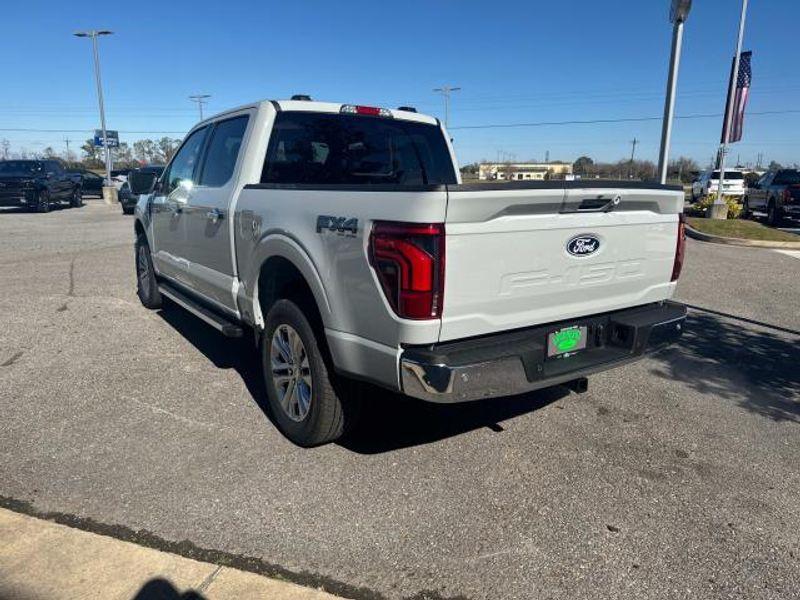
(166, 148)
(92, 157)
(581, 165)
(145, 150)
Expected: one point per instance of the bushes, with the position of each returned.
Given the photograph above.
(733, 202)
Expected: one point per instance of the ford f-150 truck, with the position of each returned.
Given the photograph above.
(343, 238)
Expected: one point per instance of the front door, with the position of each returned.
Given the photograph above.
(207, 216)
(170, 199)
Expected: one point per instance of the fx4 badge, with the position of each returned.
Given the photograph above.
(344, 225)
(583, 245)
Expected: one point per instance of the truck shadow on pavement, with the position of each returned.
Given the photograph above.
(387, 421)
(726, 356)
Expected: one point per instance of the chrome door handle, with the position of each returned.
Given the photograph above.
(214, 215)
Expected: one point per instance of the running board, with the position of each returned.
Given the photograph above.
(218, 322)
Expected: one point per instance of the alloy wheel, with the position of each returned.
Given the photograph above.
(291, 372)
(144, 269)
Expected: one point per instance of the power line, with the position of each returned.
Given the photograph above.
(29, 129)
(621, 120)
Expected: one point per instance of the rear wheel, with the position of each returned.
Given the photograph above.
(302, 393)
(146, 284)
(746, 212)
(773, 215)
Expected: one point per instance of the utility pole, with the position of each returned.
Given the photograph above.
(67, 141)
(547, 156)
(445, 91)
(109, 191)
(201, 99)
(679, 12)
(719, 209)
(634, 141)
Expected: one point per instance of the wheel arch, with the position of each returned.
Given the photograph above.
(284, 270)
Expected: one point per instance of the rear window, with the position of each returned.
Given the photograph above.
(788, 177)
(728, 175)
(331, 149)
(20, 168)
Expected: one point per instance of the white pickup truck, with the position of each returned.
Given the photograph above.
(343, 238)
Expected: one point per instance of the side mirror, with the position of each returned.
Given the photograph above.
(142, 182)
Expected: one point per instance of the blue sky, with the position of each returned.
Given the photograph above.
(516, 62)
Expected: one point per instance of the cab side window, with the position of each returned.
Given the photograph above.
(184, 164)
(223, 150)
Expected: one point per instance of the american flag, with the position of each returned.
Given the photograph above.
(740, 96)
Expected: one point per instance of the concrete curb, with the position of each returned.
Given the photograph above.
(718, 239)
(44, 560)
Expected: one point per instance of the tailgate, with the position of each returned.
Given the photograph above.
(518, 257)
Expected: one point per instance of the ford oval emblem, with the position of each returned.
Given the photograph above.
(583, 245)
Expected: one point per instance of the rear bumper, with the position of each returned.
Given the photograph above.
(516, 362)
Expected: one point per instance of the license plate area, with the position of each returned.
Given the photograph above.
(566, 341)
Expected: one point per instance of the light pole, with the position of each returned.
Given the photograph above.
(201, 99)
(719, 209)
(108, 194)
(679, 11)
(445, 91)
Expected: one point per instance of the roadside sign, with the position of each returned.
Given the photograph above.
(111, 135)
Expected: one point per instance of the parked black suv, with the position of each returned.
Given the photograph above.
(127, 198)
(37, 184)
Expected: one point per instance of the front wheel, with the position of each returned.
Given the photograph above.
(146, 284)
(76, 199)
(43, 202)
(301, 391)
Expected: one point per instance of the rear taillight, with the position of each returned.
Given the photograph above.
(680, 249)
(788, 196)
(409, 261)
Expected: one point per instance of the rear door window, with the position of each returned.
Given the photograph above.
(223, 150)
(332, 149)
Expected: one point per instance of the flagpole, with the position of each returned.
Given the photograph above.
(716, 211)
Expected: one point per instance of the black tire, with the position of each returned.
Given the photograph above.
(127, 211)
(76, 200)
(773, 215)
(746, 212)
(43, 201)
(146, 283)
(331, 405)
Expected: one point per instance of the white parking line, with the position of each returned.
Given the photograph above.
(792, 253)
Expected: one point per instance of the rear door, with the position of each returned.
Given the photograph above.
(758, 196)
(207, 248)
(532, 255)
(60, 184)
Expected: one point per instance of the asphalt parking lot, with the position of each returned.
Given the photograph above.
(676, 477)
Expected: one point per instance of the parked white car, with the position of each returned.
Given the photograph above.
(342, 239)
(708, 183)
